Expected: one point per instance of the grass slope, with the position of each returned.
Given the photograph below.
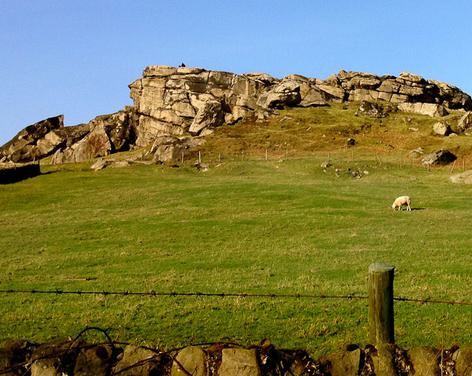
(255, 226)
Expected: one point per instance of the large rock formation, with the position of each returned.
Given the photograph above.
(188, 102)
(35, 141)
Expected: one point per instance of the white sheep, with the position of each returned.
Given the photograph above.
(402, 201)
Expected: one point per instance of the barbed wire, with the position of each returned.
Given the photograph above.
(432, 301)
(226, 295)
(184, 294)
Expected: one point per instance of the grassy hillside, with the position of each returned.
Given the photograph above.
(247, 225)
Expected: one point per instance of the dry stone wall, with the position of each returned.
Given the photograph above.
(79, 358)
(190, 102)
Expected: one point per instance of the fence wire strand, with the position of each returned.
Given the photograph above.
(227, 295)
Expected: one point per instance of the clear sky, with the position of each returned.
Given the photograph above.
(77, 57)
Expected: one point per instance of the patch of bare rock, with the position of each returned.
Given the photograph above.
(184, 103)
(462, 178)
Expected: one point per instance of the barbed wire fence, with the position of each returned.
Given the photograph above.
(381, 327)
(225, 295)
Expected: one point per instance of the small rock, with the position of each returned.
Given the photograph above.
(99, 165)
(201, 166)
(462, 178)
(351, 142)
(326, 164)
(441, 129)
(424, 360)
(416, 152)
(440, 157)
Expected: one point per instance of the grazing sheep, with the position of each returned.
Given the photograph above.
(402, 201)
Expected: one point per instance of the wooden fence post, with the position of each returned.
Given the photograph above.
(381, 322)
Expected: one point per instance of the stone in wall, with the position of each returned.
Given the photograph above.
(80, 358)
(190, 360)
(136, 360)
(239, 362)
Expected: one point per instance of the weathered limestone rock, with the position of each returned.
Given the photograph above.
(190, 360)
(425, 361)
(95, 360)
(54, 359)
(239, 362)
(383, 361)
(95, 144)
(310, 95)
(100, 164)
(345, 363)
(430, 109)
(171, 149)
(463, 360)
(285, 94)
(13, 356)
(210, 114)
(49, 143)
(23, 147)
(465, 122)
(441, 129)
(139, 361)
(74, 133)
(440, 157)
(118, 127)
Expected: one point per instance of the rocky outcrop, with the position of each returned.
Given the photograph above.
(35, 141)
(188, 102)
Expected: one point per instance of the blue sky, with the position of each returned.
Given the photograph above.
(76, 57)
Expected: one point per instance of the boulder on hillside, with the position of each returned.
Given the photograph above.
(465, 122)
(441, 129)
(285, 94)
(167, 149)
(462, 178)
(24, 146)
(95, 144)
(440, 157)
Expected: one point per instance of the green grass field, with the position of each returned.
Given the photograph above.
(250, 226)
